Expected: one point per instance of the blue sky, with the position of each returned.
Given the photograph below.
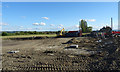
(53, 16)
(60, 0)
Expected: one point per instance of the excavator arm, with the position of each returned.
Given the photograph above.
(61, 32)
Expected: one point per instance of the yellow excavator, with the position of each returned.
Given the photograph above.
(61, 32)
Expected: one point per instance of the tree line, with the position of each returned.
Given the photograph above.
(27, 33)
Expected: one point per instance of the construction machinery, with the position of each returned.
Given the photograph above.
(63, 33)
(60, 33)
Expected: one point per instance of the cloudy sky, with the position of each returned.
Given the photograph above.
(53, 16)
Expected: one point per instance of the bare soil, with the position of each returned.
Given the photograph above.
(51, 54)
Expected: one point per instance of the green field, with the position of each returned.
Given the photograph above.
(22, 36)
(85, 33)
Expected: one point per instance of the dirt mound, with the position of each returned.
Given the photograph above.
(107, 52)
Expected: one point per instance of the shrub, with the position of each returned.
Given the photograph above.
(4, 33)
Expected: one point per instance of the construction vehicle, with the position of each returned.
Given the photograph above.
(60, 33)
(63, 33)
(116, 33)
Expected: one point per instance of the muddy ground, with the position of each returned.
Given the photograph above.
(51, 54)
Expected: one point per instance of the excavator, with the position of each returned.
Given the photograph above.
(64, 33)
(60, 33)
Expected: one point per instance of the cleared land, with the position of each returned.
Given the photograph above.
(56, 54)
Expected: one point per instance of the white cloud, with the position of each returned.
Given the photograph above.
(76, 26)
(91, 20)
(35, 23)
(42, 24)
(52, 25)
(45, 18)
(72, 28)
(3, 24)
(81, 19)
(21, 26)
(61, 25)
(97, 27)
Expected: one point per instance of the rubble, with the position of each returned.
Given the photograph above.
(74, 46)
(88, 54)
(47, 51)
(99, 41)
(13, 52)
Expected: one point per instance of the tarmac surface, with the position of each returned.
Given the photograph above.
(56, 54)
